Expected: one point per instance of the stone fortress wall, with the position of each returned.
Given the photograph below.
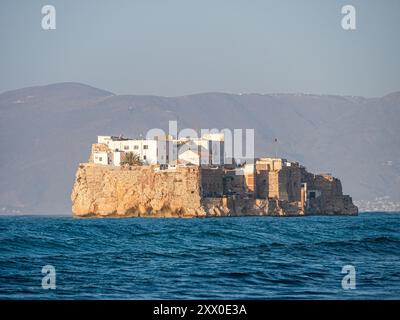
(272, 186)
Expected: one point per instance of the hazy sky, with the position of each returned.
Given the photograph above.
(178, 47)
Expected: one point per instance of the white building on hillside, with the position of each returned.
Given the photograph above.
(210, 148)
(198, 156)
(102, 158)
(108, 158)
(149, 151)
(207, 150)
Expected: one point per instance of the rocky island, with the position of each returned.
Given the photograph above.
(133, 178)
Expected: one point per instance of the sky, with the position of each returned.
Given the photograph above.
(180, 47)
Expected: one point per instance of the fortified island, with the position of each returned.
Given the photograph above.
(190, 177)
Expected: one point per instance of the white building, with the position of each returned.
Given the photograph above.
(117, 157)
(197, 157)
(147, 150)
(102, 158)
(207, 150)
(210, 148)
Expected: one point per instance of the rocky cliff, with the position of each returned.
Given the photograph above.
(135, 191)
(146, 191)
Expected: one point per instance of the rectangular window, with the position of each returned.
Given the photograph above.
(126, 147)
(135, 147)
(144, 157)
(100, 159)
(145, 146)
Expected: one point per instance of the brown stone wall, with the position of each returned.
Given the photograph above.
(146, 192)
(329, 197)
(277, 181)
(233, 184)
(262, 184)
(250, 182)
(211, 182)
(194, 191)
(290, 183)
(274, 190)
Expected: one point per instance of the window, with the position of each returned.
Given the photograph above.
(145, 146)
(144, 157)
(126, 147)
(100, 159)
(136, 147)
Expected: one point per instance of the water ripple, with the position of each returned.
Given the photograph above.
(235, 258)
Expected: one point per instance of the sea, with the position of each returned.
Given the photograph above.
(314, 257)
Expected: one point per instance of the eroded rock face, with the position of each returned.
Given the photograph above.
(143, 191)
(146, 191)
(136, 191)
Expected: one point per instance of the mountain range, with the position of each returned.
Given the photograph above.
(46, 131)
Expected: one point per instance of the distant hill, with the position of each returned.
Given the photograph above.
(46, 131)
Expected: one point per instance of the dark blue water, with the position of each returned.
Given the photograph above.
(226, 258)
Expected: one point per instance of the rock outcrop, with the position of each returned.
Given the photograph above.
(136, 191)
(147, 191)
